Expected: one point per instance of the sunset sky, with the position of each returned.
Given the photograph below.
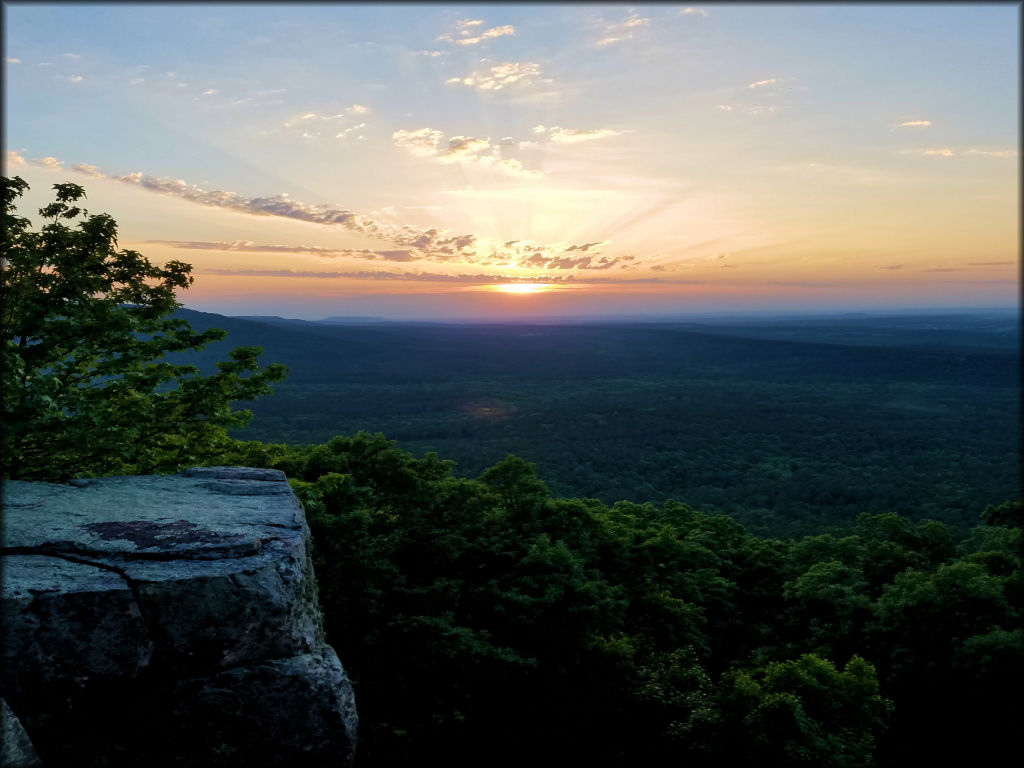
(417, 160)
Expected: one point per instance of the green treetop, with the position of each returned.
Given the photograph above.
(84, 326)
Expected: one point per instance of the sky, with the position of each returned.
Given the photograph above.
(503, 161)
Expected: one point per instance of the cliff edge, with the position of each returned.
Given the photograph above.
(169, 620)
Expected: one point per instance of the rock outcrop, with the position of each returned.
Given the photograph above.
(169, 621)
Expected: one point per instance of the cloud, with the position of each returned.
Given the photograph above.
(210, 92)
(586, 246)
(914, 124)
(431, 54)
(546, 261)
(990, 263)
(502, 75)
(72, 56)
(750, 109)
(893, 267)
(763, 83)
(344, 134)
(694, 11)
(431, 243)
(51, 163)
(970, 152)
(11, 60)
(623, 30)
(523, 253)
(88, 170)
(408, 243)
(15, 159)
(430, 143)
(265, 97)
(487, 35)
(466, 29)
(573, 135)
(247, 246)
(75, 79)
(312, 125)
(992, 152)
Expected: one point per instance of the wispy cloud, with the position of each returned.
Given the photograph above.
(760, 97)
(75, 79)
(914, 124)
(14, 158)
(623, 30)
(750, 109)
(969, 152)
(694, 12)
(503, 75)
(11, 60)
(430, 143)
(466, 29)
(425, 277)
(313, 125)
(573, 135)
(992, 152)
(247, 246)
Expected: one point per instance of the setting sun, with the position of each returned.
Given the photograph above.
(524, 287)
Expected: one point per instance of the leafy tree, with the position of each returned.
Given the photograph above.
(800, 712)
(84, 326)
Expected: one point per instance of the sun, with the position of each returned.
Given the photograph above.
(523, 287)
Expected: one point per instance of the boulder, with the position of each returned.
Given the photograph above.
(16, 750)
(169, 620)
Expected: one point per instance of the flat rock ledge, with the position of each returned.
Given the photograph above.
(167, 620)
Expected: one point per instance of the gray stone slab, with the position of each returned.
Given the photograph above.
(152, 596)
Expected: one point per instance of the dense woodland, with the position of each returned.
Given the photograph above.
(791, 427)
(860, 604)
(487, 621)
